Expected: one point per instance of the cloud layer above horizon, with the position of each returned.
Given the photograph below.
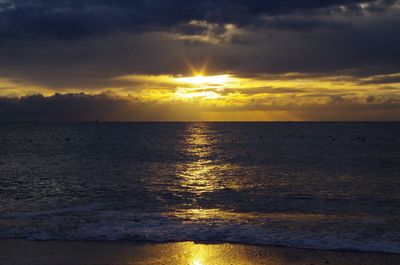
(122, 60)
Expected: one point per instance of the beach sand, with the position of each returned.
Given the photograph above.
(23, 252)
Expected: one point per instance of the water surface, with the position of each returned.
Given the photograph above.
(312, 185)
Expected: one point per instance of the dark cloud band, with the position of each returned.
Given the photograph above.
(84, 107)
(71, 19)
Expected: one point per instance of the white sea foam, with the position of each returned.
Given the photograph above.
(291, 230)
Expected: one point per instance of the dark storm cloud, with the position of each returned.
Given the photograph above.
(71, 19)
(60, 107)
(86, 44)
(84, 107)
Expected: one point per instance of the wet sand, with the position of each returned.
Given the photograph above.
(23, 252)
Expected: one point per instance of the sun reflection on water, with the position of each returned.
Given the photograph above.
(222, 254)
(200, 174)
(199, 254)
(205, 172)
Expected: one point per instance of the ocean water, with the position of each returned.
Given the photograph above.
(308, 185)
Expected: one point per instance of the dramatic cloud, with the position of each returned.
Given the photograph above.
(76, 18)
(73, 46)
(83, 107)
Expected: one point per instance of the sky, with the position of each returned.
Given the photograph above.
(210, 60)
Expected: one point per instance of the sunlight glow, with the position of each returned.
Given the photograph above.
(201, 86)
(197, 262)
(204, 80)
(204, 96)
(190, 94)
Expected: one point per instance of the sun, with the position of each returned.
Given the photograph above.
(204, 80)
(201, 86)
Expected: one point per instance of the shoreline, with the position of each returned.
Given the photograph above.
(20, 251)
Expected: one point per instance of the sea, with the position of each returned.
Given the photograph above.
(315, 185)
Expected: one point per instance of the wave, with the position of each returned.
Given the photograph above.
(289, 230)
